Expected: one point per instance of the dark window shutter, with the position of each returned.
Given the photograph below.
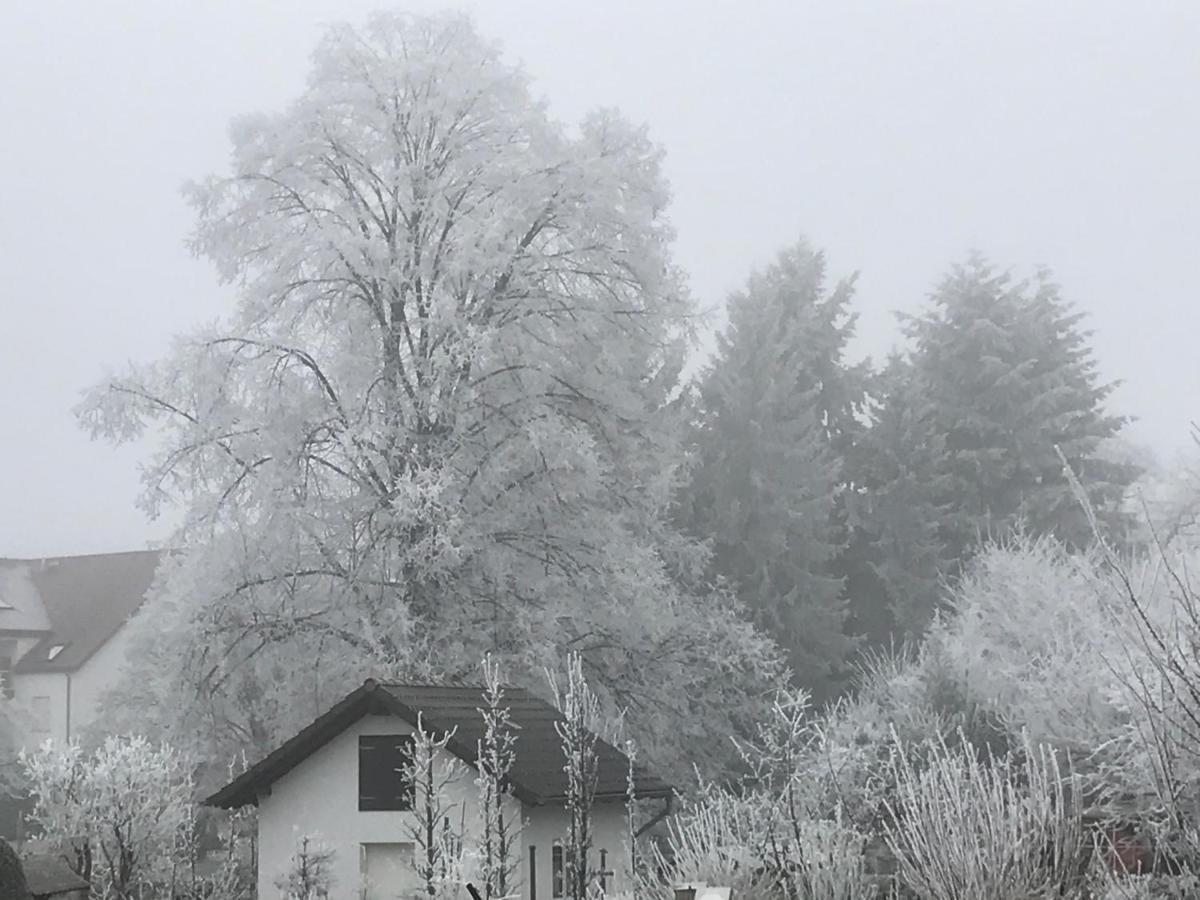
(382, 783)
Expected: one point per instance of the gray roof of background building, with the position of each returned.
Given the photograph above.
(78, 602)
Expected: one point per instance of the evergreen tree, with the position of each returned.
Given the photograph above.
(776, 408)
(964, 440)
(898, 506)
(1009, 376)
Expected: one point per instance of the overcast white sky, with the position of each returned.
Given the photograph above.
(895, 135)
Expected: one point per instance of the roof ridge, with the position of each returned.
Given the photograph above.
(69, 556)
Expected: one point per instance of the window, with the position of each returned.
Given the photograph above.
(388, 871)
(55, 650)
(532, 872)
(556, 870)
(41, 715)
(382, 784)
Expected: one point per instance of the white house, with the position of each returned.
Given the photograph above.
(337, 780)
(63, 634)
(63, 641)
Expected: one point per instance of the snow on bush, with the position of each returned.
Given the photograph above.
(964, 825)
(121, 814)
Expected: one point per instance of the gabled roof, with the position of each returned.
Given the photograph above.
(84, 601)
(537, 776)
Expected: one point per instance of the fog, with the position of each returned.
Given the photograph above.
(897, 136)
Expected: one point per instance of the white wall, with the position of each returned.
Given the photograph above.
(73, 698)
(545, 825)
(95, 677)
(28, 690)
(320, 797)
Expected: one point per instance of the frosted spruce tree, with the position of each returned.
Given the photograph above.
(439, 419)
(1000, 374)
(776, 410)
(898, 511)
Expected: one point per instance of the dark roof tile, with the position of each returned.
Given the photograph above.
(86, 599)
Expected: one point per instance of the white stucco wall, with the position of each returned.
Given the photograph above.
(545, 825)
(28, 690)
(72, 698)
(96, 677)
(320, 797)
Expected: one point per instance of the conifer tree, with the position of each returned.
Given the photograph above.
(962, 441)
(897, 509)
(776, 410)
(1008, 376)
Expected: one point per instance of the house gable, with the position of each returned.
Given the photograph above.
(73, 605)
(537, 777)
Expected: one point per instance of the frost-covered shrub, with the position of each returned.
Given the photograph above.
(783, 833)
(308, 875)
(121, 815)
(717, 839)
(965, 825)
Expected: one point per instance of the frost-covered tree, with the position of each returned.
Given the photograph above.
(776, 410)
(1008, 376)
(897, 511)
(439, 419)
(1165, 500)
(435, 826)
(964, 440)
(120, 815)
(581, 716)
(309, 873)
(498, 841)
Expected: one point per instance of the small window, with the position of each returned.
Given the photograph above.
(55, 650)
(382, 784)
(532, 872)
(556, 870)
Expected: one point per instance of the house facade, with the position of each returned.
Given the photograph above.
(63, 635)
(336, 785)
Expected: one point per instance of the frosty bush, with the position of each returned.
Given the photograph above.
(717, 840)
(120, 815)
(784, 831)
(308, 876)
(989, 829)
